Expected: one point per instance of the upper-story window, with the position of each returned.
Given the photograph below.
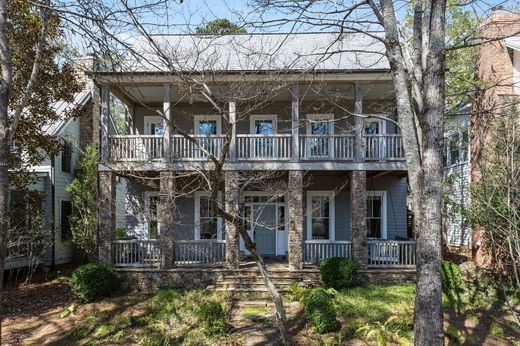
(319, 127)
(207, 125)
(66, 157)
(455, 148)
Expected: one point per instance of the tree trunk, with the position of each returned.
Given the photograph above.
(4, 189)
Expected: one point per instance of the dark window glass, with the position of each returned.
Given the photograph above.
(208, 222)
(374, 216)
(153, 227)
(320, 217)
(66, 157)
(66, 213)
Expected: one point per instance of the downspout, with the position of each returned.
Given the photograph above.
(53, 212)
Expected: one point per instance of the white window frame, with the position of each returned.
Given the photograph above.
(332, 214)
(149, 120)
(212, 117)
(320, 117)
(371, 118)
(254, 117)
(197, 196)
(147, 218)
(381, 194)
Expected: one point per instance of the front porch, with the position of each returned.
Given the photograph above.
(212, 254)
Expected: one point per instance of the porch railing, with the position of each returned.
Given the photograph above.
(316, 250)
(391, 254)
(385, 147)
(264, 147)
(200, 252)
(319, 147)
(135, 148)
(199, 149)
(137, 253)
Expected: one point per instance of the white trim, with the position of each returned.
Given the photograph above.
(151, 119)
(211, 117)
(196, 215)
(382, 194)
(147, 195)
(319, 117)
(332, 212)
(255, 117)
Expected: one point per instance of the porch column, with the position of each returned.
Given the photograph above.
(167, 119)
(358, 123)
(231, 206)
(358, 202)
(233, 122)
(104, 121)
(295, 206)
(295, 123)
(106, 215)
(167, 220)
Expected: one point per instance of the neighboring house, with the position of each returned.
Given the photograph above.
(456, 226)
(499, 65)
(48, 194)
(53, 176)
(307, 131)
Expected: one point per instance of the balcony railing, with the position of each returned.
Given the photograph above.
(137, 253)
(278, 147)
(200, 252)
(316, 250)
(327, 147)
(263, 147)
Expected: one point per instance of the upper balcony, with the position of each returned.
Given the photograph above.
(327, 129)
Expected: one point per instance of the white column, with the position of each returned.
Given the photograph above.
(295, 123)
(358, 121)
(167, 119)
(233, 122)
(103, 126)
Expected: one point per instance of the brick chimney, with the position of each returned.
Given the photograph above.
(82, 66)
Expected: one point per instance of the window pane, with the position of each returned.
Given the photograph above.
(320, 206)
(263, 127)
(320, 127)
(376, 206)
(208, 127)
(374, 228)
(320, 228)
(208, 228)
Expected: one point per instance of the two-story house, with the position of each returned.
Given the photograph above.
(327, 124)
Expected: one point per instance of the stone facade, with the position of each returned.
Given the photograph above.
(295, 206)
(167, 222)
(231, 206)
(358, 197)
(106, 215)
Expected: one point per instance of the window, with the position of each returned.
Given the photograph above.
(66, 213)
(320, 215)
(456, 148)
(207, 224)
(152, 214)
(319, 127)
(66, 157)
(376, 222)
(263, 125)
(206, 126)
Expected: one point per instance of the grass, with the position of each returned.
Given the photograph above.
(255, 310)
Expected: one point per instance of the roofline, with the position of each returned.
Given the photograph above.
(66, 123)
(231, 72)
(269, 33)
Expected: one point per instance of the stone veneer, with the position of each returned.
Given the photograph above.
(106, 215)
(295, 215)
(167, 222)
(231, 206)
(358, 197)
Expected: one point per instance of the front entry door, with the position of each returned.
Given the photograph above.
(264, 229)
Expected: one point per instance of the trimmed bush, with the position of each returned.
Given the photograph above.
(320, 311)
(338, 272)
(94, 280)
(211, 315)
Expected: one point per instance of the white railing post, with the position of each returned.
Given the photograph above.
(295, 123)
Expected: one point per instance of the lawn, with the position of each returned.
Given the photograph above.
(371, 314)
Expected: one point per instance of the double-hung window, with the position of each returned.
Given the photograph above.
(66, 157)
(207, 127)
(455, 148)
(320, 215)
(207, 223)
(376, 215)
(152, 214)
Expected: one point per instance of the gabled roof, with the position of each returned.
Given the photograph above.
(62, 109)
(327, 52)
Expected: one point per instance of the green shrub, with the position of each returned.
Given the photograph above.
(212, 316)
(320, 311)
(94, 280)
(451, 280)
(338, 272)
(296, 292)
